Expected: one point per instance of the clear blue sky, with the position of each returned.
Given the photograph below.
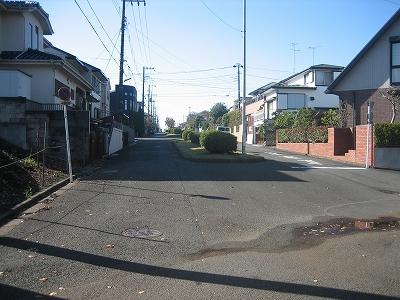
(185, 36)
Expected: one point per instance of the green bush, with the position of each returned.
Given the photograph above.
(195, 138)
(218, 142)
(304, 118)
(331, 118)
(387, 134)
(190, 134)
(285, 119)
(185, 134)
(303, 135)
(177, 130)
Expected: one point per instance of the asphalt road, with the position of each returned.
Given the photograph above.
(279, 229)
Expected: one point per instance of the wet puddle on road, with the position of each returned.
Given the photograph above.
(294, 237)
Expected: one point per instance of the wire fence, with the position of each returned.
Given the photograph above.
(47, 157)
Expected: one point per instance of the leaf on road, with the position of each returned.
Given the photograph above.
(43, 279)
(53, 294)
(110, 246)
(141, 292)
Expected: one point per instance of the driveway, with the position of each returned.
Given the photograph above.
(279, 229)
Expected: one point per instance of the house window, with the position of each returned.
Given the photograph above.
(323, 78)
(126, 104)
(30, 34)
(308, 78)
(35, 40)
(295, 101)
(395, 63)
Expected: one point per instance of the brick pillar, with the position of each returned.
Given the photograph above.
(361, 144)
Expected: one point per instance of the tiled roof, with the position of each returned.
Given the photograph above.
(24, 5)
(9, 54)
(30, 54)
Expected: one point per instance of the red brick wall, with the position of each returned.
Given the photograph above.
(340, 146)
(293, 147)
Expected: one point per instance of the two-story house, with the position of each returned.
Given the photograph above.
(368, 77)
(97, 100)
(305, 89)
(23, 25)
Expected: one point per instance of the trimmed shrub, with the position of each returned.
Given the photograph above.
(285, 119)
(177, 130)
(303, 135)
(190, 134)
(331, 118)
(387, 134)
(195, 138)
(218, 142)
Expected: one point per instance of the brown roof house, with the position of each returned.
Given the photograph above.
(369, 77)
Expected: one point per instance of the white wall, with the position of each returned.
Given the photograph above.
(322, 100)
(116, 142)
(14, 83)
(13, 32)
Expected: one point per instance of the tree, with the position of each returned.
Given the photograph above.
(170, 122)
(217, 111)
(393, 96)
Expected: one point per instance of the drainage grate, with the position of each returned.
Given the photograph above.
(141, 232)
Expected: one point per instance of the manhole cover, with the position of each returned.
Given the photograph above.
(141, 232)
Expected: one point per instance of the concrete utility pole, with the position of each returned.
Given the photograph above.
(143, 82)
(244, 133)
(238, 66)
(123, 26)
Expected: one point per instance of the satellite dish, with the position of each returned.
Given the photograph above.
(64, 94)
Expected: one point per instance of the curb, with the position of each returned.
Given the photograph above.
(32, 200)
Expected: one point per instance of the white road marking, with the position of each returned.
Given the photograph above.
(333, 168)
(309, 161)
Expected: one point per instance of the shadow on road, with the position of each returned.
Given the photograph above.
(158, 160)
(8, 292)
(227, 280)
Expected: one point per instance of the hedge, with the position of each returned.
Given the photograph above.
(185, 134)
(303, 135)
(218, 142)
(387, 134)
(194, 138)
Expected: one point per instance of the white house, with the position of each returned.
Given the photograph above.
(305, 89)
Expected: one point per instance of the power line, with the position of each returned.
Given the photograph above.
(147, 32)
(137, 33)
(219, 18)
(392, 2)
(95, 31)
(193, 71)
(101, 24)
(112, 53)
(141, 32)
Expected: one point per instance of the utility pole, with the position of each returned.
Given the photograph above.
(143, 83)
(238, 66)
(244, 133)
(294, 55)
(148, 103)
(123, 26)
